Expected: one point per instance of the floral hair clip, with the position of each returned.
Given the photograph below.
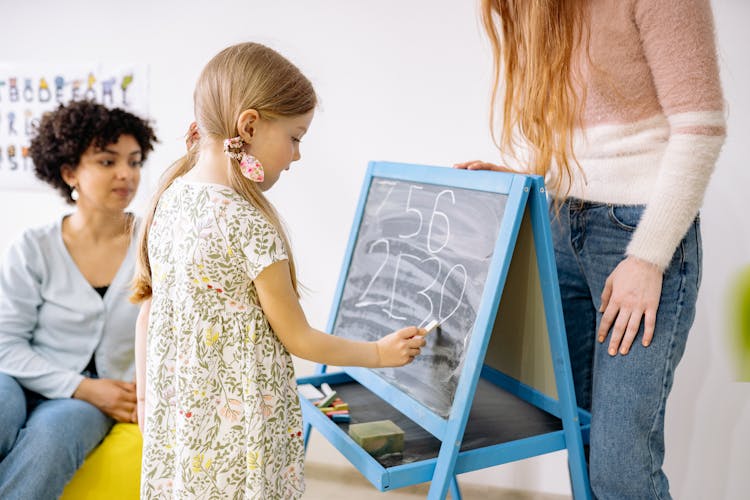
(249, 165)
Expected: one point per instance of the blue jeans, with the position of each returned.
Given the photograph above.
(627, 394)
(43, 441)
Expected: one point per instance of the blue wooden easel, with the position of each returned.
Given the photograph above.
(562, 426)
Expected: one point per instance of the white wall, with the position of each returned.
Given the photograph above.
(708, 416)
(403, 81)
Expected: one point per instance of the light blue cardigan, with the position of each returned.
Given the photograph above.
(52, 320)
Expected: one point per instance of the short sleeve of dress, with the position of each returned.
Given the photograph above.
(261, 244)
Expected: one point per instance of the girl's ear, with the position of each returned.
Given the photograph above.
(247, 123)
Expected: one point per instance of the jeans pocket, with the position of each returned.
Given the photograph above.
(626, 217)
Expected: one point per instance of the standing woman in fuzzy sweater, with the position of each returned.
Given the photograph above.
(618, 104)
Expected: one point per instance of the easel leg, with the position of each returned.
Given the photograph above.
(444, 477)
(578, 473)
(455, 491)
(558, 342)
(306, 429)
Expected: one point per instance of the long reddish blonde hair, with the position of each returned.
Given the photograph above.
(535, 45)
(240, 77)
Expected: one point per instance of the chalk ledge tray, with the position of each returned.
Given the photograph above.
(501, 428)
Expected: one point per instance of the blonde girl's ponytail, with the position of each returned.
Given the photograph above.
(141, 285)
(249, 191)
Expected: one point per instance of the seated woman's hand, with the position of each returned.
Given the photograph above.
(113, 397)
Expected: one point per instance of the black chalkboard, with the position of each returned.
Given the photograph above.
(422, 252)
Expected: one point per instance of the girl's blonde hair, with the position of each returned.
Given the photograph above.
(240, 77)
(536, 48)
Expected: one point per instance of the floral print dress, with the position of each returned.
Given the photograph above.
(222, 416)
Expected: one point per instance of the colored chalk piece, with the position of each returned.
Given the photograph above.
(378, 438)
(337, 412)
(341, 406)
(341, 418)
(326, 401)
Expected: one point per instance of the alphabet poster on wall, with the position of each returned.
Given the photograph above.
(27, 91)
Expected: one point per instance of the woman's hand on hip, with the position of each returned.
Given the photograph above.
(483, 165)
(113, 397)
(631, 294)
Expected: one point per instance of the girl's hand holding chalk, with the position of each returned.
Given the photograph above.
(400, 347)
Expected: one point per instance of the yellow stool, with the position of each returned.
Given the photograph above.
(112, 471)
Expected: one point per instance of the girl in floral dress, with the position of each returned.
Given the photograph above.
(220, 315)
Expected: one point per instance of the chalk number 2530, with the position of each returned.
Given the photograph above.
(432, 262)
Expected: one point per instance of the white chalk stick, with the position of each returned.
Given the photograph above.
(326, 388)
(309, 391)
(431, 326)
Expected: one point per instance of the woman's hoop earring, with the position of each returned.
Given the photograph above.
(249, 165)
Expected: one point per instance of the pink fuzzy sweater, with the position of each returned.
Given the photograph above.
(654, 116)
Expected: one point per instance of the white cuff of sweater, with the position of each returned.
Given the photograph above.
(686, 167)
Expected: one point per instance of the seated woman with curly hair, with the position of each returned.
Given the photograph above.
(66, 326)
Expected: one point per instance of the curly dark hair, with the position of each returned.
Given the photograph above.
(65, 134)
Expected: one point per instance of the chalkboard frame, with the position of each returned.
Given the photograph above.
(451, 229)
(507, 185)
(524, 193)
